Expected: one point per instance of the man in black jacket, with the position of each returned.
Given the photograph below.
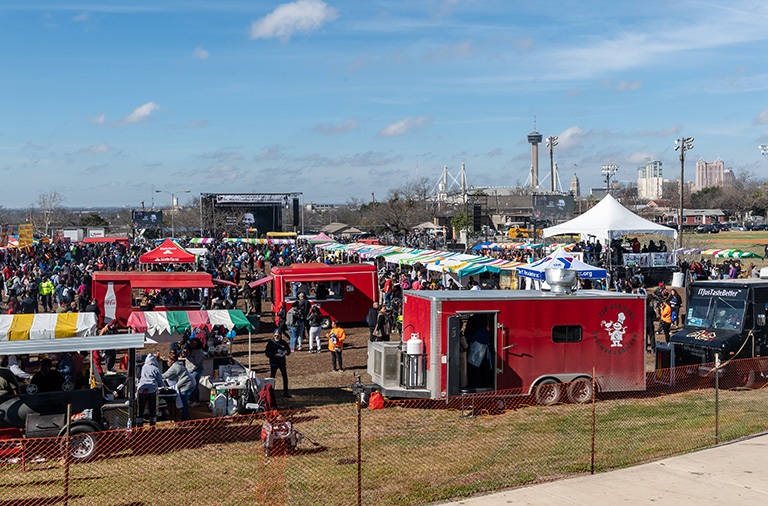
(277, 349)
(372, 318)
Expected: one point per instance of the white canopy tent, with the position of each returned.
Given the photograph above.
(609, 220)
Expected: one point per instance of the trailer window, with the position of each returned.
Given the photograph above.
(566, 334)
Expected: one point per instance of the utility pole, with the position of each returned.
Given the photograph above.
(552, 142)
(682, 144)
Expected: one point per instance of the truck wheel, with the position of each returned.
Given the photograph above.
(581, 391)
(83, 443)
(744, 379)
(548, 392)
(326, 323)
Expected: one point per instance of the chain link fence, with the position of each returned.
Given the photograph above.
(409, 452)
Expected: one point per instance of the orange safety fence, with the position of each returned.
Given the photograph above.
(412, 451)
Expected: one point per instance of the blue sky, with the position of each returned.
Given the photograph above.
(106, 101)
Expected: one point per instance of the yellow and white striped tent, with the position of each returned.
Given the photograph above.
(58, 332)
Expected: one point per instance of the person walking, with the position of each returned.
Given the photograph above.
(336, 338)
(666, 319)
(276, 351)
(315, 322)
(294, 323)
(372, 319)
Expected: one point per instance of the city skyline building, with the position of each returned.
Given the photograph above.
(650, 180)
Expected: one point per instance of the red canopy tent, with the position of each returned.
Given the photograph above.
(168, 253)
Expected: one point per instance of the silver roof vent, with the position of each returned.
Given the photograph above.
(561, 280)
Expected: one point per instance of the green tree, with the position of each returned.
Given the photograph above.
(93, 220)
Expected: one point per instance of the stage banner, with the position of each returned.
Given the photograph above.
(25, 235)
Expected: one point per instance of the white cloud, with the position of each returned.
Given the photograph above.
(200, 53)
(402, 126)
(628, 86)
(342, 127)
(99, 120)
(139, 114)
(99, 149)
(460, 50)
(82, 17)
(287, 19)
(762, 117)
(571, 138)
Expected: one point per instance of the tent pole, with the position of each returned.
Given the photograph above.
(249, 349)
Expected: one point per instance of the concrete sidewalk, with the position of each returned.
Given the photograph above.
(733, 474)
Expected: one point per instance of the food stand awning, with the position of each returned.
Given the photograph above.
(157, 323)
(261, 281)
(168, 253)
(57, 333)
(149, 280)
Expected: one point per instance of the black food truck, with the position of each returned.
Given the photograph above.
(725, 320)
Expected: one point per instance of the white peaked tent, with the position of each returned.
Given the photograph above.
(609, 220)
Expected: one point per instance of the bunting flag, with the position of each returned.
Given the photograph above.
(177, 322)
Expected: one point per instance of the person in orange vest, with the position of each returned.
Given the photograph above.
(666, 319)
(336, 338)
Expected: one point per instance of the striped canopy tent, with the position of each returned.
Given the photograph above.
(163, 323)
(688, 251)
(202, 240)
(730, 253)
(257, 240)
(166, 326)
(58, 333)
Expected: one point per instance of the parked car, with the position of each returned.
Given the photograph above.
(707, 229)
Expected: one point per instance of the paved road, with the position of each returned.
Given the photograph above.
(732, 474)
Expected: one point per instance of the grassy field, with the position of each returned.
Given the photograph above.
(409, 455)
(746, 241)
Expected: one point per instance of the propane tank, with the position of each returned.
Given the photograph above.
(414, 345)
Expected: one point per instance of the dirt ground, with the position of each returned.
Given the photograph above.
(311, 379)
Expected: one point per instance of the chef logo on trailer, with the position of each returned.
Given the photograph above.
(616, 330)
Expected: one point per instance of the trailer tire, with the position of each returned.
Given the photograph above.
(744, 379)
(325, 322)
(581, 391)
(83, 444)
(548, 392)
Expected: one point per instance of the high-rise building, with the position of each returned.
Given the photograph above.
(709, 174)
(575, 186)
(649, 180)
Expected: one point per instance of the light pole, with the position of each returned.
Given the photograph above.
(173, 207)
(607, 171)
(552, 142)
(682, 144)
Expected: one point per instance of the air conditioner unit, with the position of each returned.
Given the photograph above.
(384, 364)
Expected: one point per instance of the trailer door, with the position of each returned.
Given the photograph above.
(453, 380)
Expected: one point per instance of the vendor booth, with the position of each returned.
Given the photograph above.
(168, 252)
(560, 259)
(113, 290)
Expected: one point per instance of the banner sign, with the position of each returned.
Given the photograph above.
(147, 219)
(25, 235)
(645, 260)
(4, 228)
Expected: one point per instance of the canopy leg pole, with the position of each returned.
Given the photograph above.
(249, 350)
(131, 384)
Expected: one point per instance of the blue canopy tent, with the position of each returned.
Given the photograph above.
(560, 259)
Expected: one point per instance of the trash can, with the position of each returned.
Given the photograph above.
(678, 279)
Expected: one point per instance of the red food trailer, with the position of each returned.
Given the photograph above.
(344, 292)
(522, 341)
(113, 290)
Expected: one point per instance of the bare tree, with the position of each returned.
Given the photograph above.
(50, 207)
